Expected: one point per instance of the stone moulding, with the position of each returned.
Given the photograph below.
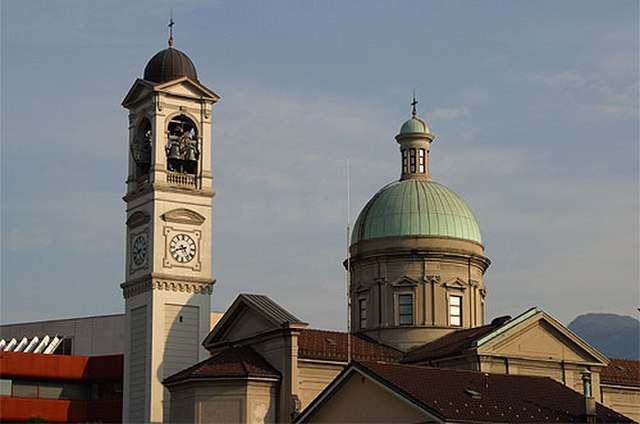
(137, 219)
(183, 216)
(140, 287)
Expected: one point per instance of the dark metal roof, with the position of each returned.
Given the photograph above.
(270, 308)
(169, 64)
(238, 361)
(455, 343)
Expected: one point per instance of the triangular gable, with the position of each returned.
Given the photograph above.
(455, 283)
(186, 87)
(139, 91)
(182, 87)
(249, 316)
(359, 395)
(535, 334)
(404, 281)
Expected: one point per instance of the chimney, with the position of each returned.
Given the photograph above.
(588, 401)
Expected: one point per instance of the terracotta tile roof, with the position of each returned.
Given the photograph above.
(241, 361)
(333, 346)
(473, 396)
(621, 371)
(448, 345)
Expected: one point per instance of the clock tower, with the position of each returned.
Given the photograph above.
(169, 195)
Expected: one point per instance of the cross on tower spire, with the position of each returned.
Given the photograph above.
(171, 24)
(414, 102)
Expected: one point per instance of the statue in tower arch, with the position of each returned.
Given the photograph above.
(182, 146)
(141, 149)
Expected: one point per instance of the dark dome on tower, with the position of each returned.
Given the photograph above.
(169, 64)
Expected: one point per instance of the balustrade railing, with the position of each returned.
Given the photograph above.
(180, 179)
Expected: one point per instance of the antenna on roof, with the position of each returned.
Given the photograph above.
(348, 278)
(171, 24)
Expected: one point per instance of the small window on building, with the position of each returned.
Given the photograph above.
(455, 310)
(362, 313)
(405, 162)
(5, 387)
(25, 389)
(405, 309)
(412, 160)
(421, 167)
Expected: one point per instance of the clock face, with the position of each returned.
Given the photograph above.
(182, 248)
(139, 251)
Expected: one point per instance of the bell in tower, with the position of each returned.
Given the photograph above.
(182, 146)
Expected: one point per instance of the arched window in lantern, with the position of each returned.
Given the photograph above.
(141, 149)
(182, 146)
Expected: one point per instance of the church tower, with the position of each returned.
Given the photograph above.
(169, 195)
(416, 256)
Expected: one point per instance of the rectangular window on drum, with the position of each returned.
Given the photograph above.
(455, 310)
(421, 161)
(405, 162)
(405, 309)
(412, 159)
(362, 313)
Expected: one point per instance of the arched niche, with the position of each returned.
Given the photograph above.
(182, 150)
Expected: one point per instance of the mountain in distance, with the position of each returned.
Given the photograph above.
(615, 336)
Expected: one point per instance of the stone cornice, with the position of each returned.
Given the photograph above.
(149, 188)
(167, 283)
(428, 254)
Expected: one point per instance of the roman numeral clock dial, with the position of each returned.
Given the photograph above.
(182, 248)
(139, 251)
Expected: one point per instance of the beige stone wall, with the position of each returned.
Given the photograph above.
(313, 377)
(624, 399)
(239, 401)
(361, 400)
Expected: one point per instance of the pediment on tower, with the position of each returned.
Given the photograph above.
(140, 91)
(186, 87)
(249, 316)
(183, 216)
(455, 283)
(404, 281)
(536, 335)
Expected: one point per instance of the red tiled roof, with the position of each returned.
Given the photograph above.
(333, 346)
(621, 371)
(450, 344)
(474, 396)
(240, 361)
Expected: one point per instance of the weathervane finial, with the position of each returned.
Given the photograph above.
(171, 24)
(414, 102)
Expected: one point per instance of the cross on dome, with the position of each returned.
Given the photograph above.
(414, 102)
(171, 24)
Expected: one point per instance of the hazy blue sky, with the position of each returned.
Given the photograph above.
(534, 105)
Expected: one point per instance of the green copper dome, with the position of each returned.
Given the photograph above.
(416, 208)
(413, 126)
